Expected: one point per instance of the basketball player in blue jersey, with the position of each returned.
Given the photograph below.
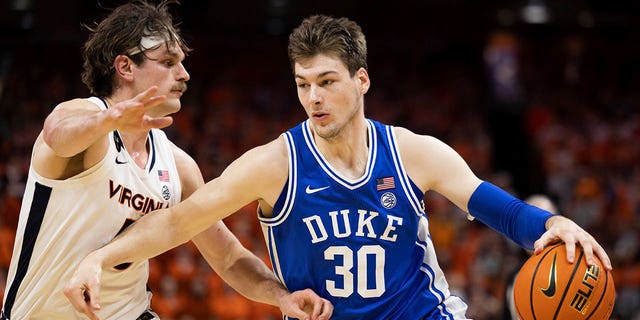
(101, 163)
(340, 198)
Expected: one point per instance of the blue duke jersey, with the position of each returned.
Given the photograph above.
(363, 244)
(61, 221)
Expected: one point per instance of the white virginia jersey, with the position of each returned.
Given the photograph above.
(61, 221)
(363, 243)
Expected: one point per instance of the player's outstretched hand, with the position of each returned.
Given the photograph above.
(83, 290)
(560, 228)
(131, 115)
(306, 305)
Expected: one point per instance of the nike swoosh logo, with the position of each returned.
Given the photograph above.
(120, 162)
(551, 289)
(310, 190)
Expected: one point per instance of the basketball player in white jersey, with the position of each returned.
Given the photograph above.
(340, 198)
(101, 163)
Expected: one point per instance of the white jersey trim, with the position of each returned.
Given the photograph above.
(332, 172)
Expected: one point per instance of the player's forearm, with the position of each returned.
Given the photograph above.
(68, 133)
(252, 278)
(519, 221)
(148, 237)
(237, 266)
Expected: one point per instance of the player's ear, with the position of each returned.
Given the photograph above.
(363, 79)
(123, 67)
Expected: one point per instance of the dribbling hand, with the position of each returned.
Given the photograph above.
(560, 228)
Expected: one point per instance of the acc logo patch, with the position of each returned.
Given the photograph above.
(166, 194)
(388, 200)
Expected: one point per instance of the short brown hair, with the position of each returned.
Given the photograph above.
(324, 34)
(120, 33)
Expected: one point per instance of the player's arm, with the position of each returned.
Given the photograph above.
(75, 125)
(240, 184)
(162, 230)
(240, 268)
(71, 140)
(433, 165)
(74, 135)
(251, 277)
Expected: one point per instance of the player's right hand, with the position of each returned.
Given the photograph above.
(131, 115)
(83, 290)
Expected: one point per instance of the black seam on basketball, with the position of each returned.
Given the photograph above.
(604, 291)
(564, 294)
(533, 278)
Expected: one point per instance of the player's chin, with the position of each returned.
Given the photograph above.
(169, 107)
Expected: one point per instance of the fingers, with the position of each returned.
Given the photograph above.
(593, 250)
(146, 95)
(83, 289)
(144, 100)
(148, 99)
(82, 301)
(135, 114)
(317, 309)
(92, 304)
(321, 308)
(546, 239)
(571, 250)
(306, 304)
(604, 258)
(325, 310)
(154, 102)
(161, 122)
(540, 244)
(293, 305)
(94, 296)
(571, 234)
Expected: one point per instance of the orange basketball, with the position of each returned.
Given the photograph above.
(548, 287)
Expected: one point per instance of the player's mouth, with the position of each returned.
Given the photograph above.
(180, 89)
(319, 115)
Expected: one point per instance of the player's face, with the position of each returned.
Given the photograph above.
(331, 97)
(163, 67)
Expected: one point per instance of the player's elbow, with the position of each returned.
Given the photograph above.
(49, 133)
(51, 136)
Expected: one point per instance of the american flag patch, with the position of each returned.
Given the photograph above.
(385, 183)
(163, 175)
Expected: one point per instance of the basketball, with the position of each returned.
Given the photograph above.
(549, 287)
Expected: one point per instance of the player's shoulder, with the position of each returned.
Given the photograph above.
(188, 170)
(180, 155)
(407, 137)
(274, 150)
(77, 104)
(267, 161)
(417, 147)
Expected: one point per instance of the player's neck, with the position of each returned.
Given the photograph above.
(347, 152)
(137, 146)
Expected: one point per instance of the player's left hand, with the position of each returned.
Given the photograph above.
(305, 305)
(560, 228)
(83, 290)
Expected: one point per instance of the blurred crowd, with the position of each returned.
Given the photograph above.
(534, 114)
